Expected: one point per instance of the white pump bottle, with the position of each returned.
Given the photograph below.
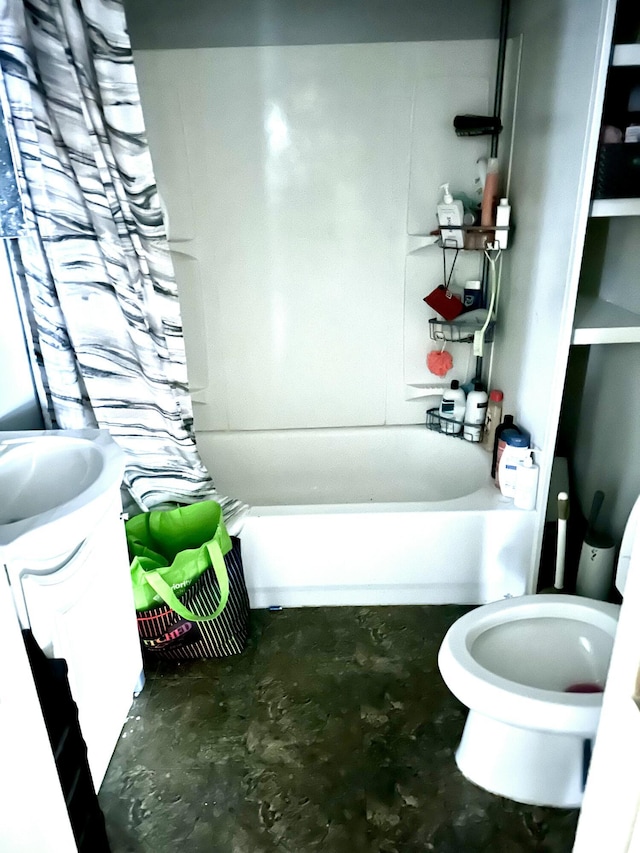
(451, 213)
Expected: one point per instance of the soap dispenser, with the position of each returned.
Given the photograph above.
(451, 213)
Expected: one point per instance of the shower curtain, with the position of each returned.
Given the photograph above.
(92, 264)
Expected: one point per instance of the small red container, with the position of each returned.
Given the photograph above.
(446, 303)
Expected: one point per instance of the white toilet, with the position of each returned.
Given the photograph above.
(515, 664)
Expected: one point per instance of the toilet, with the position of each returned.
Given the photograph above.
(531, 670)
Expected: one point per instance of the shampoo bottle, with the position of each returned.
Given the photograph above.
(475, 413)
(452, 408)
(507, 423)
(490, 194)
(451, 213)
(494, 416)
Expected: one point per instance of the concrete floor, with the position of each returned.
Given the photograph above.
(332, 732)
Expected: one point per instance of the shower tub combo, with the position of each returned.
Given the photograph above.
(370, 516)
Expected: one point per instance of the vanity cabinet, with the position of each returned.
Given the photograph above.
(81, 609)
(34, 815)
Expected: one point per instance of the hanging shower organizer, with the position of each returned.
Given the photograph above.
(476, 238)
(486, 240)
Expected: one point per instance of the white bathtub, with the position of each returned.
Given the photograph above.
(375, 515)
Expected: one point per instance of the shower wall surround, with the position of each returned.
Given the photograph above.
(296, 179)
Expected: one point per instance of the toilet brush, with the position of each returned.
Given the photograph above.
(561, 545)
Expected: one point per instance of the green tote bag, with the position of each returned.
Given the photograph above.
(171, 549)
(188, 583)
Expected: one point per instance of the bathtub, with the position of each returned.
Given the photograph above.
(373, 515)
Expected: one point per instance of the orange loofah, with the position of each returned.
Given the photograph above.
(439, 362)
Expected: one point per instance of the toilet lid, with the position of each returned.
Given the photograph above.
(626, 548)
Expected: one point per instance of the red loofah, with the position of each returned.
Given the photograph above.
(439, 363)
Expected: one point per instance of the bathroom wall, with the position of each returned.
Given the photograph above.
(550, 197)
(606, 449)
(554, 146)
(301, 183)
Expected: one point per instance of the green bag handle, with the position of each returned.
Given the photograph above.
(169, 597)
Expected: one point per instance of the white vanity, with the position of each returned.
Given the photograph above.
(63, 548)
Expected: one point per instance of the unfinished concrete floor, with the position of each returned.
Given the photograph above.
(332, 732)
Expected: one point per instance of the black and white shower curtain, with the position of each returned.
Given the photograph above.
(98, 290)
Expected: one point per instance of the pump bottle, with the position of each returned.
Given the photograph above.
(451, 213)
(526, 483)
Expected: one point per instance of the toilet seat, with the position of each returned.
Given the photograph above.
(512, 702)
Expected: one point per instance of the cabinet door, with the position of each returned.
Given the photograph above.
(33, 814)
(83, 612)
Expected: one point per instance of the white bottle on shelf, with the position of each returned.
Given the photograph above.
(452, 408)
(451, 213)
(503, 215)
(475, 413)
(526, 484)
(515, 451)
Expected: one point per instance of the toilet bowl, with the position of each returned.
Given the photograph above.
(531, 671)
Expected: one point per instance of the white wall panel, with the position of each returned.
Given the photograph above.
(438, 156)
(294, 174)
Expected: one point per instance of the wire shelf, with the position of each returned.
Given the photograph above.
(456, 429)
(475, 237)
(458, 333)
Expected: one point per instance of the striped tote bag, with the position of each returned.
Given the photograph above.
(210, 618)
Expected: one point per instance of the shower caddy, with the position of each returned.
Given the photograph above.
(477, 238)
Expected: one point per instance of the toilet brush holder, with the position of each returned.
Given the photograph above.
(595, 569)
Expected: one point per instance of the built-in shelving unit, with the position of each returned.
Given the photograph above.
(625, 55)
(596, 320)
(615, 207)
(600, 322)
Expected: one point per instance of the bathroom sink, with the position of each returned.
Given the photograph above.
(51, 483)
(42, 474)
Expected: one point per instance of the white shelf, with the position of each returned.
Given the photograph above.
(626, 54)
(420, 244)
(600, 322)
(615, 207)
